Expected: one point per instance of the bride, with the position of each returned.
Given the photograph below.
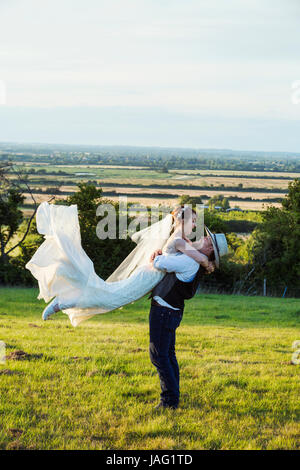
(64, 271)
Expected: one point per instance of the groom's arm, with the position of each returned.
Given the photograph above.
(184, 268)
(177, 265)
(192, 252)
(197, 244)
(170, 264)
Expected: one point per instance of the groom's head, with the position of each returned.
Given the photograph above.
(207, 248)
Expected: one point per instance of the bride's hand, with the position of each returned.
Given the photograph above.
(156, 253)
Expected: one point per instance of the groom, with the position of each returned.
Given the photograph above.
(181, 282)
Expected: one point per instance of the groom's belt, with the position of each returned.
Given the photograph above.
(153, 302)
(156, 303)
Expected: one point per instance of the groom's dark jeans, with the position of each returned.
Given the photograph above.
(163, 322)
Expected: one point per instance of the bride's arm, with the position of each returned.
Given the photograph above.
(156, 253)
(189, 250)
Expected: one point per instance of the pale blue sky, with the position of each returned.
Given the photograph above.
(188, 73)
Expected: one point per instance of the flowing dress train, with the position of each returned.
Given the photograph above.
(64, 270)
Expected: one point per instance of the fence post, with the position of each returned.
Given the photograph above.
(265, 287)
(284, 292)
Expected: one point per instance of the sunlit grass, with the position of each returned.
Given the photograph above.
(93, 387)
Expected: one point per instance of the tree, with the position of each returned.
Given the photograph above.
(12, 185)
(106, 254)
(191, 200)
(10, 218)
(218, 200)
(291, 202)
(214, 222)
(275, 245)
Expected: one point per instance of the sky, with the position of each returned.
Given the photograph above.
(170, 73)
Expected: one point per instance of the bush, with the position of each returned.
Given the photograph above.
(229, 278)
(240, 226)
(14, 274)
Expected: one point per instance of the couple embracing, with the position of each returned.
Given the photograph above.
(184, 273)
(66, 275)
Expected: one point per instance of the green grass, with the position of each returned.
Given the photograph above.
(101, 172)
(94, 386)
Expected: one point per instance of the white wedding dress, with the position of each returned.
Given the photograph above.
(65, 271)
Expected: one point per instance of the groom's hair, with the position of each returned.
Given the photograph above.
(211, 257)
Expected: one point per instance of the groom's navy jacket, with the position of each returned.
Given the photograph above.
(175, 292)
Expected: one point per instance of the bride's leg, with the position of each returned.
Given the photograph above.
(51, 308)
(54, 307)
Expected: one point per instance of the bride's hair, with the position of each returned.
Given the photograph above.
(180, 213)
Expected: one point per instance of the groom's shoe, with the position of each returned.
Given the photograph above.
(52, 308)
(163, 406)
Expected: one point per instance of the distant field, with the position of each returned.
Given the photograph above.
(143, 177)
(133, 195)
(240, 173)
(48, 166)
(245, 205)
(257, 183)
(177, 172)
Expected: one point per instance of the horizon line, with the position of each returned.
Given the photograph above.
(210, 149)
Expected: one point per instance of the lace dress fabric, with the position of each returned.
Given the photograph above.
(65, 271)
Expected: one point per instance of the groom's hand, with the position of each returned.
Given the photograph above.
(211, 267)
(153, 256)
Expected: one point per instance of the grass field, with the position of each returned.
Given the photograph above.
(143, 176)
(93, 387)
(246, 206)
(133, 193)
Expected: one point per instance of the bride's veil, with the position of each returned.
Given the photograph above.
(148, 240)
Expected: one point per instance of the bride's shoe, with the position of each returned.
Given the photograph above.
(52, 308)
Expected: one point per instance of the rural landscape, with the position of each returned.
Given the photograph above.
(242, 194)
(240, 387)
(248, 180)
(150, 229)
